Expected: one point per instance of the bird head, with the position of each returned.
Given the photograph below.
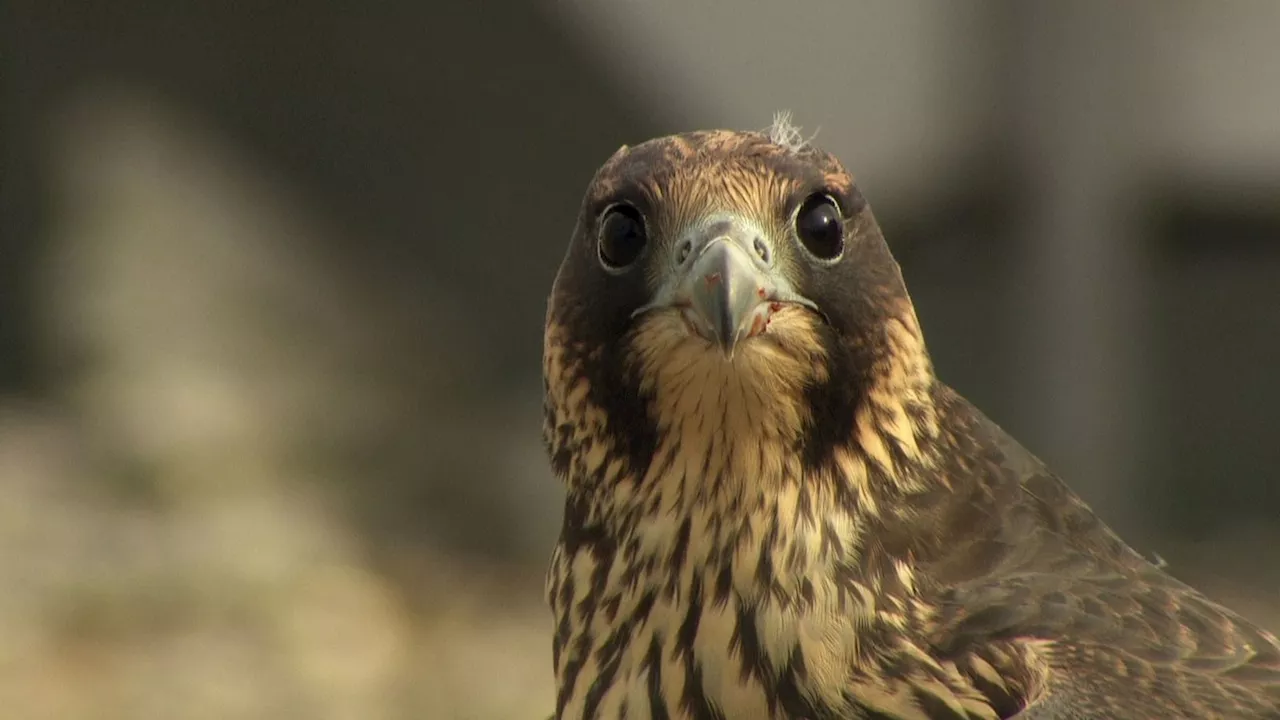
(726, 280)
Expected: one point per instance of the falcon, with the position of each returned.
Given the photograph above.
(775, 510)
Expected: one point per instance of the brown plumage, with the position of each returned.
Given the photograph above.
(774, 509)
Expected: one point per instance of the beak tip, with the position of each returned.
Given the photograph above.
(727, 347)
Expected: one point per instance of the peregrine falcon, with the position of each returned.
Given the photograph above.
(775, 510)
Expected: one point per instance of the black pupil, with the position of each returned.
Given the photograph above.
(819, 227)
(621, 236)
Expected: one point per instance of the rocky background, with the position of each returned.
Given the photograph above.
(272, 283)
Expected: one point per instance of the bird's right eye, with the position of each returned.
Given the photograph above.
(622, 236)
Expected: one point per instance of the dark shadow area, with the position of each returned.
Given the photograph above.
(1217, 300)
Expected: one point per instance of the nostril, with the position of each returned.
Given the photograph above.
(682, 252)
(762, 250)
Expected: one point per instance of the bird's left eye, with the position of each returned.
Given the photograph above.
(820, 228)
(622, 236)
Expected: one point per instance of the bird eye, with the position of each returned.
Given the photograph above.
(622, 236)
(820, 227)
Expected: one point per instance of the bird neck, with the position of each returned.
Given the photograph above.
(729, 490)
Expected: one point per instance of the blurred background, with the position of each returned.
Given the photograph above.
(272, 282)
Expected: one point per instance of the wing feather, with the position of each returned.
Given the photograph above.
(1115, 635)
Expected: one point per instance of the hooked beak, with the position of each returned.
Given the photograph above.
(725, 283)
(726, 294)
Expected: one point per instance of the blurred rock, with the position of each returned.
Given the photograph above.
(179, 534)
